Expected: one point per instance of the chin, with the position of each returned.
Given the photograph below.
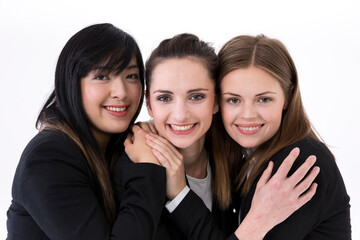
(181, 145)
(247, 144)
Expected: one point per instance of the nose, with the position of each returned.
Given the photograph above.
(118, 89)
(248, 111)
(180, 112)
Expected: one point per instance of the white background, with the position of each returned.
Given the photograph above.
(323, 38)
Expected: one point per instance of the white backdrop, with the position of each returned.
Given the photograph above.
(322, 36)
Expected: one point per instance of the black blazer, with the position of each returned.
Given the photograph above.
(193, 220)
(327, 214)
(56, 196)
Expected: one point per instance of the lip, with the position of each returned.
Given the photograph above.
(116, 111)
(185, 132)
(249, 129)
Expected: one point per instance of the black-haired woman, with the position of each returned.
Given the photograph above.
(62, 187)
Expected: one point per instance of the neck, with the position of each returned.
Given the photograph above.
(195, 160)
(102, 139)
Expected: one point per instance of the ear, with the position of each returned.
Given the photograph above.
(148, 106)
(216, 107)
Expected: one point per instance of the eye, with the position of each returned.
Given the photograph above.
(101, 77)
(197, 97)
(133, 76)
(233, 100)
(163, 98)
(265, 99)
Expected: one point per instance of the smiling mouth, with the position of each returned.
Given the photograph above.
(182, 127)
(116, 109)
(250, 128)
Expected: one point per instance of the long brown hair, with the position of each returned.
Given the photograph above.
(271, 56)
(190, 46)
(97, 45)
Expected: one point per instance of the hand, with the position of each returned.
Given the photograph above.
(276, 199)
(172, 160)
(136, 148)
(148, 126)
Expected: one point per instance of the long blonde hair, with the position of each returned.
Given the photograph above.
(271, 56)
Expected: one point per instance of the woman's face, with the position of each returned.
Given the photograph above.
(110, 101)
(252, 102)
(182, 100)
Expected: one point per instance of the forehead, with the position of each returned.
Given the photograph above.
(115, 68)
(252, 80)
(180, 73)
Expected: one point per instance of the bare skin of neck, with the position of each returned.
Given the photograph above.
(195, 160)
(102, 139)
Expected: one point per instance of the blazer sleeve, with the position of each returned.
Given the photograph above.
(140, 190)
(327, 214)
(57, 190)
(194, 219)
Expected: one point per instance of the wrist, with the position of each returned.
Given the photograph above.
(251, 228)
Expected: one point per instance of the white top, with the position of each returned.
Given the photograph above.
(202, 188)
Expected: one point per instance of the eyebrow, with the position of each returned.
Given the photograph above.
(197, 90)
(189, 91)
(132, 66)
(259, 94)
(104, 68)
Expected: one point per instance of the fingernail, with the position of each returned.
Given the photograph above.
(313, 159)
(317, 169)
(297, 150)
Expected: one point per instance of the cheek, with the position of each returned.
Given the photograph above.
(158, 114)
(207, 112)
(274, 117)
(89, 96)
(226, 114)
(135, 92)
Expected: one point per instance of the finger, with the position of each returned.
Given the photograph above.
(138, 131)
(163, 161)
(129, 139)
(285, 166)
(126, 142)
(305, 184)
(145, 126)
(166, 153)
(162, 141)
(134, 128)
(307, 196)
(300, 173)
(266, 175)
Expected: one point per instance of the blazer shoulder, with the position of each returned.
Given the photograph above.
(308, 146)
(51, 148)
(50, 142)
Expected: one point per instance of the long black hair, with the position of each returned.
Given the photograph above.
(94, 46)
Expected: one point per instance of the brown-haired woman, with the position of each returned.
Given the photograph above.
(264, 119)
(181, 98)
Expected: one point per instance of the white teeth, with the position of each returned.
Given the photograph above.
(115, 109)
(181, 128)
(249, 128)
